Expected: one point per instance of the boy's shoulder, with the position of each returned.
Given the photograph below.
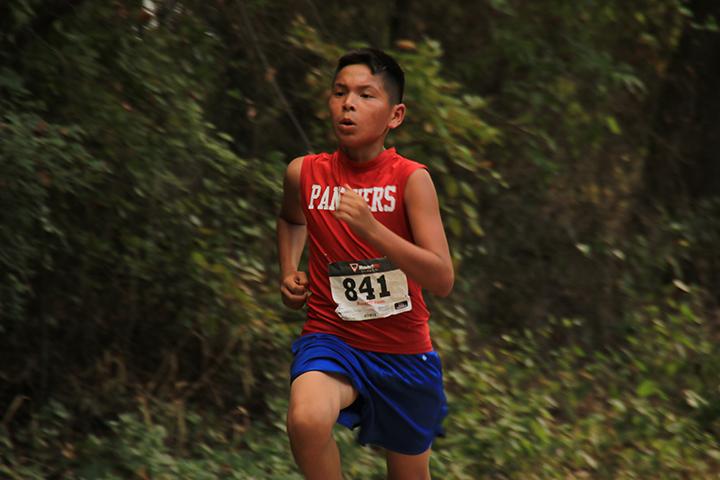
(318, 155)
(407, 165)
(409, 161)
(313, 157)
(296, 164)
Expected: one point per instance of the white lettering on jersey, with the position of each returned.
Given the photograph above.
(325, 200)
(380, 199)
(365, 193)
(390, 191)
(336, 197)
(376, 205)
(314, 194)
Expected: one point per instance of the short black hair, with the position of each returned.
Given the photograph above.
(378, 62)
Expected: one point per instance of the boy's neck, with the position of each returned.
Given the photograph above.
(361, 155)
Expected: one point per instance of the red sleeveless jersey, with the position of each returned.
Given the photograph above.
(335, 248)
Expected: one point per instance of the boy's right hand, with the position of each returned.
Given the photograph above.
(294, 290)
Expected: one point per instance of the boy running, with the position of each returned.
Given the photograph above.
(376, 238)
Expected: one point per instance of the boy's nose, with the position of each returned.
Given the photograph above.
(349, 103)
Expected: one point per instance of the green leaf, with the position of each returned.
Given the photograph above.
(613, 125)
(647, 388)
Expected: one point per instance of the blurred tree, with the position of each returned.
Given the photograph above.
(682, 170)
(134, 240)
(683, 162)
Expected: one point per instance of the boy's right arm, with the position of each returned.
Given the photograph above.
(291, 236)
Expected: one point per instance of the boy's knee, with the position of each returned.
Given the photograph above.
(310, 423)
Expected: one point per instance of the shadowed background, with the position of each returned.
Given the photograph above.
(574, 146)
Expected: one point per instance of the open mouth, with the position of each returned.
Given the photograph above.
(346, 122)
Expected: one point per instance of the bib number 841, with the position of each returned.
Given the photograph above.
(365, 287)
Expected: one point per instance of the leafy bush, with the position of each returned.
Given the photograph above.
(520, 409)
(643, 408)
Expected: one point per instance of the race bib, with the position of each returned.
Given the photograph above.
(368, 289)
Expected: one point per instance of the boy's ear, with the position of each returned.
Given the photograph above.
(398, 115)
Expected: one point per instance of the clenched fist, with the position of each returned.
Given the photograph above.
(294, 290)
(354, 210)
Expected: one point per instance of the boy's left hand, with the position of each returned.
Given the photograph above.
(354, 210)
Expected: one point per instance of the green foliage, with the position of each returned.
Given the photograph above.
(40, 163)
(570, 103)
(634, 410)
(181, 445)
(521, 408)
(135, 253)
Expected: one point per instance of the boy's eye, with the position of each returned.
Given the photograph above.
(366, 95)
(338, 94)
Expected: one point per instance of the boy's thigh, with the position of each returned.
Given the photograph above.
(322, 392)
(408, 467)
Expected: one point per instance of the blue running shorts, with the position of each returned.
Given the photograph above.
(401, 403)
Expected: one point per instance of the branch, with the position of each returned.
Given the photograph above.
(273, 82)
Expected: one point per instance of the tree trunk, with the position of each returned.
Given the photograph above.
(683, 165)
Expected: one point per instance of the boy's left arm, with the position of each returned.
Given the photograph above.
(427, 261)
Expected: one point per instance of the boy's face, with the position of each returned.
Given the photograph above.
(360, 108)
